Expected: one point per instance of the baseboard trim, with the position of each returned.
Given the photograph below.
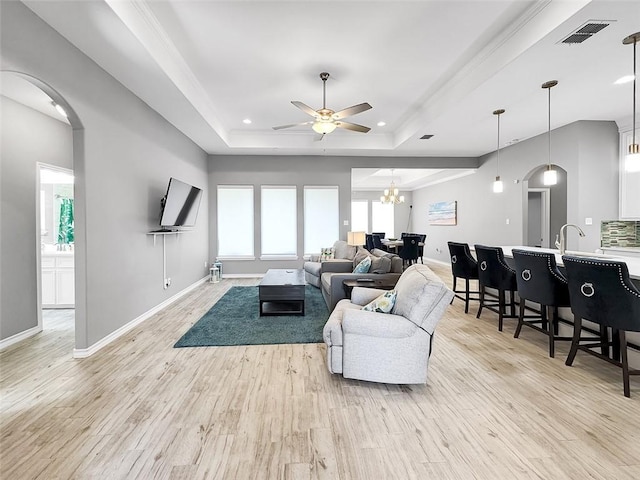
(243, 275)
(18, 337)
(87, 352)
(440, 262)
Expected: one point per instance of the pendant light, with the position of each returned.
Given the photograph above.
(498, 186)
(632, 159)
(550, 176)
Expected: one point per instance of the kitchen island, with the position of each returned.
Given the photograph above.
(633, 263)
(566, 316)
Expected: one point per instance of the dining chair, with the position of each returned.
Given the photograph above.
(423, 237)
(409, 252)
(377, 243)
(369, 241)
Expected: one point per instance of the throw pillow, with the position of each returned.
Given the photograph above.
(343, 250)
(363, 266)
(383, 304)
(381, 253)
(327, 254)
(380, 265)
(361, 254)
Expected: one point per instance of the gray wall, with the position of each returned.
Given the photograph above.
(123, 158)
(301, 171)
(26, 137)
(587, 150)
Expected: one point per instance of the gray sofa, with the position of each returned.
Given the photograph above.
(315, 267)
(387, 347)
(329, 274)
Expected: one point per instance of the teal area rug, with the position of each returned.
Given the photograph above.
(235, 320)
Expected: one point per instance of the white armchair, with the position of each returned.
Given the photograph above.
(387, 348)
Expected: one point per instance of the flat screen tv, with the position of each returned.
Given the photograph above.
(180, 205)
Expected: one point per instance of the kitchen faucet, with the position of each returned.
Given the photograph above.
(562, 244)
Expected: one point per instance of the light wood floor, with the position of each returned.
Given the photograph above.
(495, 407)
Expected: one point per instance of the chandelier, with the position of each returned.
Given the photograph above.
(391, 194)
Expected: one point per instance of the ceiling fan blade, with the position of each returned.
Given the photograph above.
(280, 127)
(353, 126)
(305, 108)
(347, 112)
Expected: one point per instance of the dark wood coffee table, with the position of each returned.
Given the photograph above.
(281, 292)
(383, 284)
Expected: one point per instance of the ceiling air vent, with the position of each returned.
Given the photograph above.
(585, 32)
(425, 137)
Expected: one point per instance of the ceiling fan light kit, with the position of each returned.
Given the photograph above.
(327, 120)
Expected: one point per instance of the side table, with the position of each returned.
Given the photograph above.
(383, 284)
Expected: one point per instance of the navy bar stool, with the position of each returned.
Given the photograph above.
(494, 272)
(540, 281)
(602, 292)
(463, 265)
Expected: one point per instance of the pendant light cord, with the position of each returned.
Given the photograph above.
(549, 131)
(635, 41)
(498, 149)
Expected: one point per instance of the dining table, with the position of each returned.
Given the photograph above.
(394, 244)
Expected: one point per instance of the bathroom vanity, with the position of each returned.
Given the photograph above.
(58, 283)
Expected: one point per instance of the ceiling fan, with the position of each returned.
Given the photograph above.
(326, 120)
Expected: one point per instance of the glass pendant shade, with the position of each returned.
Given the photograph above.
(323, 126)
(632, 160)
(550, 177)
(498, 186)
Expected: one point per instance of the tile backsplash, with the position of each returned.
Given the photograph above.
(619, 233)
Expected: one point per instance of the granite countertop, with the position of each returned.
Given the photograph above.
(622, 249)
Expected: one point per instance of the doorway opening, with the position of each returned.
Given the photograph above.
(34, 103)
(55, 216)
(544, 207)
(538, 217)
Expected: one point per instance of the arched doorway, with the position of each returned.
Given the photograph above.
(544, 207)
(23, 167)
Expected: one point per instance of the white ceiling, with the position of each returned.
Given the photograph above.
(426, 67)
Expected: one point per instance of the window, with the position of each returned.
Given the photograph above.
(382, 218)
(279, 225)
(359, 216)
(321, 218)
(235, 222)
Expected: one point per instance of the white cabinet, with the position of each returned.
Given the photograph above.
(629, 182)
(48, 286)
(58, 280)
